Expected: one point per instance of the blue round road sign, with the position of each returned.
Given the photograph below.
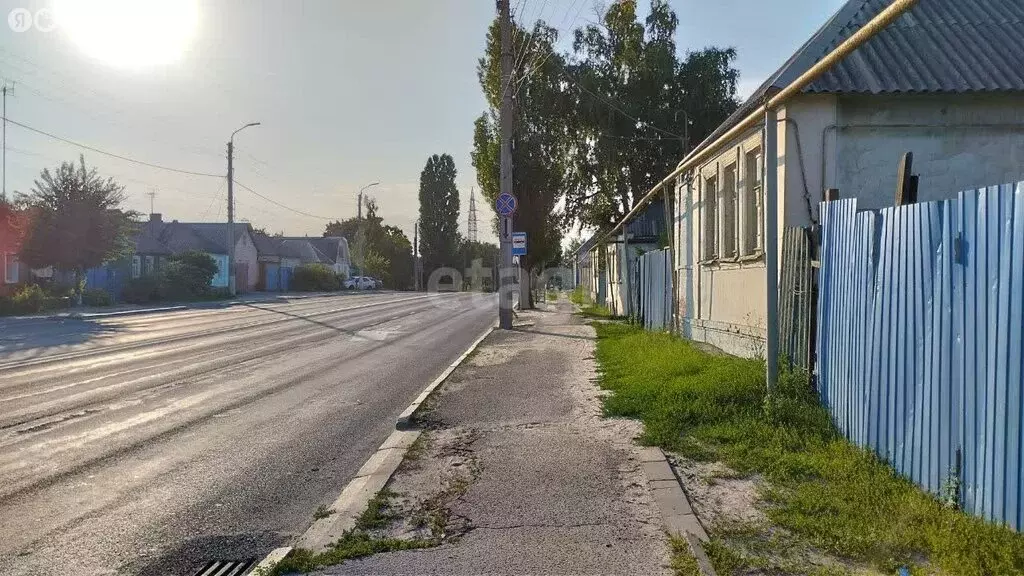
(506, 204)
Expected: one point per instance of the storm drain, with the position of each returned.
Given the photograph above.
(226, 568)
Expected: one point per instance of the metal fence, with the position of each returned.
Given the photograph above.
(920, 352)
(796, 297)
(651, 292)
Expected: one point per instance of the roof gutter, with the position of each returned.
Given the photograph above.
(865, 33)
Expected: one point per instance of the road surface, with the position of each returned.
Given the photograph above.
(152, 444)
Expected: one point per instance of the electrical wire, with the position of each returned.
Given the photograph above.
(276, 203)
(111, 154)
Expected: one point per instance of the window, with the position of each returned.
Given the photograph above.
(752, 223)
(10, 268)
(149, 265)
(710, 198)
(729, 212)
(136, 266)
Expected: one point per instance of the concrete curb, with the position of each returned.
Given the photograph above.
(405, 419)
(369, 480)
(676, 512)
(353, 500)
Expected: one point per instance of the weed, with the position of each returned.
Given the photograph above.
(353, 544)
(577, 296)
(379, 513)
(683, 562)
(322, 512)
(836, 497)
(596, 311)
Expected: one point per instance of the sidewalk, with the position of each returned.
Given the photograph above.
(518, 473)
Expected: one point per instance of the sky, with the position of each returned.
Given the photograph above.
(348, 92)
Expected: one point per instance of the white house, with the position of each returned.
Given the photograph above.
(944, 81)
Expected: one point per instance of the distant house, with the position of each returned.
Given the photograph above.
(278, 257)
(158, 239)
(944, 81)
(642, 234)
(331, 251)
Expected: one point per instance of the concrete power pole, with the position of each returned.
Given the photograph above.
(231, 218)
(5, 90)
(505, 233)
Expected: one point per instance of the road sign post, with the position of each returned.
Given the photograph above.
(505, 205)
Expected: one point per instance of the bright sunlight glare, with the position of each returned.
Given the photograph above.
(129, 33)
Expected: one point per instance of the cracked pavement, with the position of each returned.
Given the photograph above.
(557, 489)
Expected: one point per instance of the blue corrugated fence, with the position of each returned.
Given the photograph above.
(920, 349)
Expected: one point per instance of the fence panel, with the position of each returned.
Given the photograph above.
(795, 297)
(920, 340)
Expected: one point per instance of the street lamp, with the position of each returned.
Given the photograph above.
(231, 208)
(362, 237)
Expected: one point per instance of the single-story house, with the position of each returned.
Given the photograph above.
(331, 251)
(278, 257)
(944, 81)
(157, 240)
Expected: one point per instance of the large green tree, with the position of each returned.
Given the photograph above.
(541, 146)
(77, 220)
(387, 242)
(640, 107)
(439, 214)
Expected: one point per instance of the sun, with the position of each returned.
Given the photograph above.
(129, 33)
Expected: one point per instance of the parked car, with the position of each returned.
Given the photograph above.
(360, 283)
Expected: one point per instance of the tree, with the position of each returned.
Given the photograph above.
(439, 214)
(376, 265)
(386, 241)
(544, 112)
(78, 222)
(639, 108)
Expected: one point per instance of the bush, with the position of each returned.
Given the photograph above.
(28, 299)
(143, 290)
(96, 297)
(315, 278)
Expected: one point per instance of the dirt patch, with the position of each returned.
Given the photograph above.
(718, 494)
(491, 355)
(441, 469)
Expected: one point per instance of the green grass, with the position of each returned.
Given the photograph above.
(596, 311)
(683, 562)
(577, 296)
(355, 543)
(552, 295)
(834, 496)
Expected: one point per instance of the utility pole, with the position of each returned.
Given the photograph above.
(505, 232)
(152, 200)
(416, 255)
(360, 234)
(231, 208)
(231, 217)
(5, 90)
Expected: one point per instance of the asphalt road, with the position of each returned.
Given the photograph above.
(152, 444)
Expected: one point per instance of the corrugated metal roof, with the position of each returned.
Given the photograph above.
(937, 46)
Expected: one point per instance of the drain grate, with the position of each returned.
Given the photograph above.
(226, 568)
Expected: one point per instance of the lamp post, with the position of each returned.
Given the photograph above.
(362, 237)
(231, 208)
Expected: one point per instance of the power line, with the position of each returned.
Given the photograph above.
(276, 203)
(111, 154)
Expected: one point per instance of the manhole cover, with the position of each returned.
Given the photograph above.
(226, 568)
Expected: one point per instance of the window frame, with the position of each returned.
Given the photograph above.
(724, 214)
(8, 258)
(709, 221)
(753, 189)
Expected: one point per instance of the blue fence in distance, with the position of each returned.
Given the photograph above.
(651, 290)
(920, 351)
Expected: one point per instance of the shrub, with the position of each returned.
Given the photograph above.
(28, 299)
(315, 278)
(187, 276)
(143, 290)
(96, 297)
(6, 306)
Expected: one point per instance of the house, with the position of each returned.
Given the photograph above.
(278, 257)
(944, 81)
(157, 240)
(12, 231)
(331, 251)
